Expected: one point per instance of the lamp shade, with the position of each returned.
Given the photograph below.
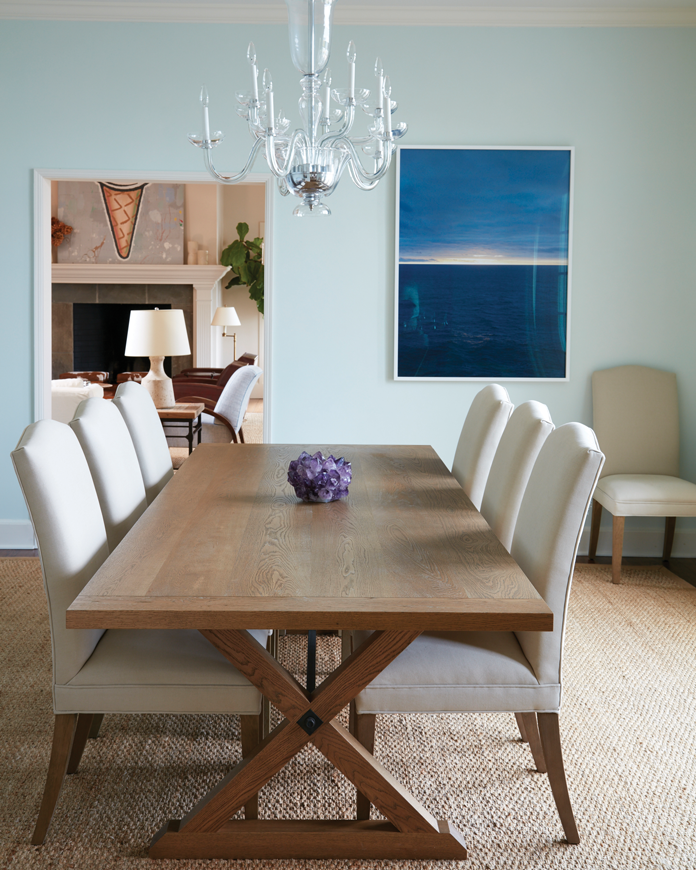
(226, 317)
(157, 333)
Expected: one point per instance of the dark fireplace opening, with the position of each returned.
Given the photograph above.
(99, 339)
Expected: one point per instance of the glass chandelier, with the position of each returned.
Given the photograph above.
(309, 163)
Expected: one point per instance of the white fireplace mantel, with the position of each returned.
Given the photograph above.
(135, 273)
(203, 279)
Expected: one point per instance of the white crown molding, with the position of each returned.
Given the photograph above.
(366, 14)
(135, 273)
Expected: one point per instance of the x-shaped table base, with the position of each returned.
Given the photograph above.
(208, 832)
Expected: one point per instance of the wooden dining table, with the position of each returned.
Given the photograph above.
(227, 546)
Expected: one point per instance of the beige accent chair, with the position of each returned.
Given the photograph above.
(520, 672)
(524, 436)
(138, 410)
(113, 464)
(481, 433)
(119, 670)
(636, 418)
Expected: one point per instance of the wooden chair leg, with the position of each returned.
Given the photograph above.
(84, 726)
(594, 528)
(97, 720)
(617, 535)
(531, 731)
(520, 725)
(365, 734)
(251, 731)
(551, 742)
(63, 733)
(670, 524)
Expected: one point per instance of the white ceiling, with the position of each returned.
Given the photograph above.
(570, 13)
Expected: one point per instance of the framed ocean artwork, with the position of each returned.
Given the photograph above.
(483, 263)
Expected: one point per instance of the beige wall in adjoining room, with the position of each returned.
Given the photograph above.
(201, 219)
(242, 202)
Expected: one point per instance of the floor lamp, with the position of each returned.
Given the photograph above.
(158, 333)
(225, 317)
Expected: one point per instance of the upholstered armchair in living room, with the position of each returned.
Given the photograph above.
(230, 408)
(209, 382)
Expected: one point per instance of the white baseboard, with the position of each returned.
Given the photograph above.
(16, 535)
(643, 542)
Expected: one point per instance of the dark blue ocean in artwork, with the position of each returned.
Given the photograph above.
(482, 321)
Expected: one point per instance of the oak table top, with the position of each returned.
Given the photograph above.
(227, 545)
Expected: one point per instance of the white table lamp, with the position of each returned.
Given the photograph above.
(158, 333)
(227, 317)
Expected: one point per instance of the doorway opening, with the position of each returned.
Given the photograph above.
(209, 348)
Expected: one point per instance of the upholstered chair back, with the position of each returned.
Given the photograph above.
(483, 427)
(64, 509)
(111, 457)
(234, 399)
(636, 418)
(138, 410)
(547, 533)
(526, 431)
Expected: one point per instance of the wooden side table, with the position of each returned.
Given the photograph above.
(187, 415)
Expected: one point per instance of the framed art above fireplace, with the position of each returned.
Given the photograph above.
(483, 263)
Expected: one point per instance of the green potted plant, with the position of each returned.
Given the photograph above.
(244, 259)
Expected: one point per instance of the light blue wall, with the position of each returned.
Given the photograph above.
(122, 96)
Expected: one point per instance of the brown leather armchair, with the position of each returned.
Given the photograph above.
(208, 383)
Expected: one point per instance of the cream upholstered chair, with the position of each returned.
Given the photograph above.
(231, 407)
(483, 427)
(520, 672)
(113, 463)
(636, 418)
(119, 670)
(526, 431)
(138, 410)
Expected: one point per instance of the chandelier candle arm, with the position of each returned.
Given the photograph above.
(270, 109)
(345, 129)
(206, 119)
(251, 57)
(233, 179)
(387, 117)
(327, 98)
(352, 55)
(309, 162)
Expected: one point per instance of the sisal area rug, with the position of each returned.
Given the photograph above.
(628, 726)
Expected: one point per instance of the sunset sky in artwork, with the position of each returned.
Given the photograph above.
(484, 206)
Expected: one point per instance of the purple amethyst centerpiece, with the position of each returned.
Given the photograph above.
(316, 478)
